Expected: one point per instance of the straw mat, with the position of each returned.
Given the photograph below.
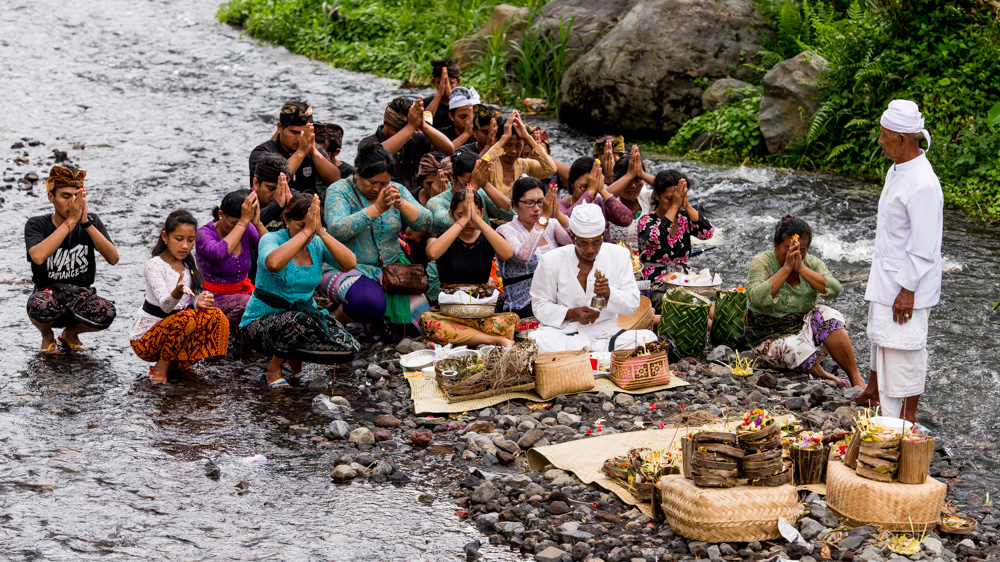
(429, 399)
(585, 457)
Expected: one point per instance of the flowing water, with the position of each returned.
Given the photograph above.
(168, 105)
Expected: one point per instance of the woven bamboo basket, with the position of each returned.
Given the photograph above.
(739, 514)
(641, 319)
(639, 372)
(893, 506)
(915, 460)
(563, 372)
(810, 464)
(687, 451)
(456, 310)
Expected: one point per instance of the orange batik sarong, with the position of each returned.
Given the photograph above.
(185, 337)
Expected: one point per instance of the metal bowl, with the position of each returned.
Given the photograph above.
(417, 360)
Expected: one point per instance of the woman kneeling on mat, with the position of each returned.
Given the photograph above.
(464, 254)
(281, 319)
(177, 326)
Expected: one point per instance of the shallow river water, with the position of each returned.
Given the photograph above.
(168, 105)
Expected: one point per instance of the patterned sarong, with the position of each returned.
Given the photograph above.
(184, 337)
(446, 329)
(298, 336)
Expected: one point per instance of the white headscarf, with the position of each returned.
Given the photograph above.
(463, 97)
(587, 221)
(903, 116)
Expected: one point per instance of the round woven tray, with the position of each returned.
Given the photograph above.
(641, 319)
(738, 514)
(893, 506)
(456, 310)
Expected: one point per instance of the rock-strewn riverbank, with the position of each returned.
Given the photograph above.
(478, 461)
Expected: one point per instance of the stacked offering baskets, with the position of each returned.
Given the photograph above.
(878, 451)
(715, 457)
(760, 439)
(809, 458)
(640, 469)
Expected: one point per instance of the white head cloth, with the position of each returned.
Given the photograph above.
(903, 116)
(587, 221)
(463, 97)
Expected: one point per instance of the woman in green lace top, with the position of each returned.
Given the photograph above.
(366, 212)
(785, 326)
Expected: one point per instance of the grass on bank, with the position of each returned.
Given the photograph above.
(399, 39)
(943, 54)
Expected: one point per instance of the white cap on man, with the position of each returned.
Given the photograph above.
(463, 97)
(903, 116)
(587, 221)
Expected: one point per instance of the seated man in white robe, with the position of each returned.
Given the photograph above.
(568, 278)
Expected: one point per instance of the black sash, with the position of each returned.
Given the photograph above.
(156, 311)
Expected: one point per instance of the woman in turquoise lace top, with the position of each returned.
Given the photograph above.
(281, 318)
(367, 212)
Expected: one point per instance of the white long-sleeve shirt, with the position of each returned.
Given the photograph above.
(908, 236)
(160, 282)
(555, 289)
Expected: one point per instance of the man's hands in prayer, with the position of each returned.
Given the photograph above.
(284, 193)
(902, 308)
(444, 87)
(582, 314)
(415, 116)
(307, 142)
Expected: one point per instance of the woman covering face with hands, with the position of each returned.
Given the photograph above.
(282, 319)
(464, 254)
(665, 233)
(178, 323)
(507, 153)
(367, 212)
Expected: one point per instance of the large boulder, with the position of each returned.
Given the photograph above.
(717, 95)
(505, 18)
(642, 76)
(789, 98)
(590, 19)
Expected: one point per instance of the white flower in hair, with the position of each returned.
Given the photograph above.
(524, 175)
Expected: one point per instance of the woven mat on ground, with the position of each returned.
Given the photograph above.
(585, 457)
(429, 399)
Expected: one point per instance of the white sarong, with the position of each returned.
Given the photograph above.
(899, 355)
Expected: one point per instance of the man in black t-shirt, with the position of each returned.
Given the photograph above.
(407, 137)
(311, 167)
(61, 249)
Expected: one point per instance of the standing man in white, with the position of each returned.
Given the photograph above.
(905, 280)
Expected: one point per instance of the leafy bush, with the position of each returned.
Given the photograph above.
(396, 38)
(943, 54)
(733, 127)
(399, 38)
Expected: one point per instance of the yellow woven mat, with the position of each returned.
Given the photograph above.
(585, 457)
(429, 399)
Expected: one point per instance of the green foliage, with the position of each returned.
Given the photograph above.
(736, 135)
(396, 38)
(942, 54)
(399, 38)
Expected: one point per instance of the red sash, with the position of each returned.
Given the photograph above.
(245, 287)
